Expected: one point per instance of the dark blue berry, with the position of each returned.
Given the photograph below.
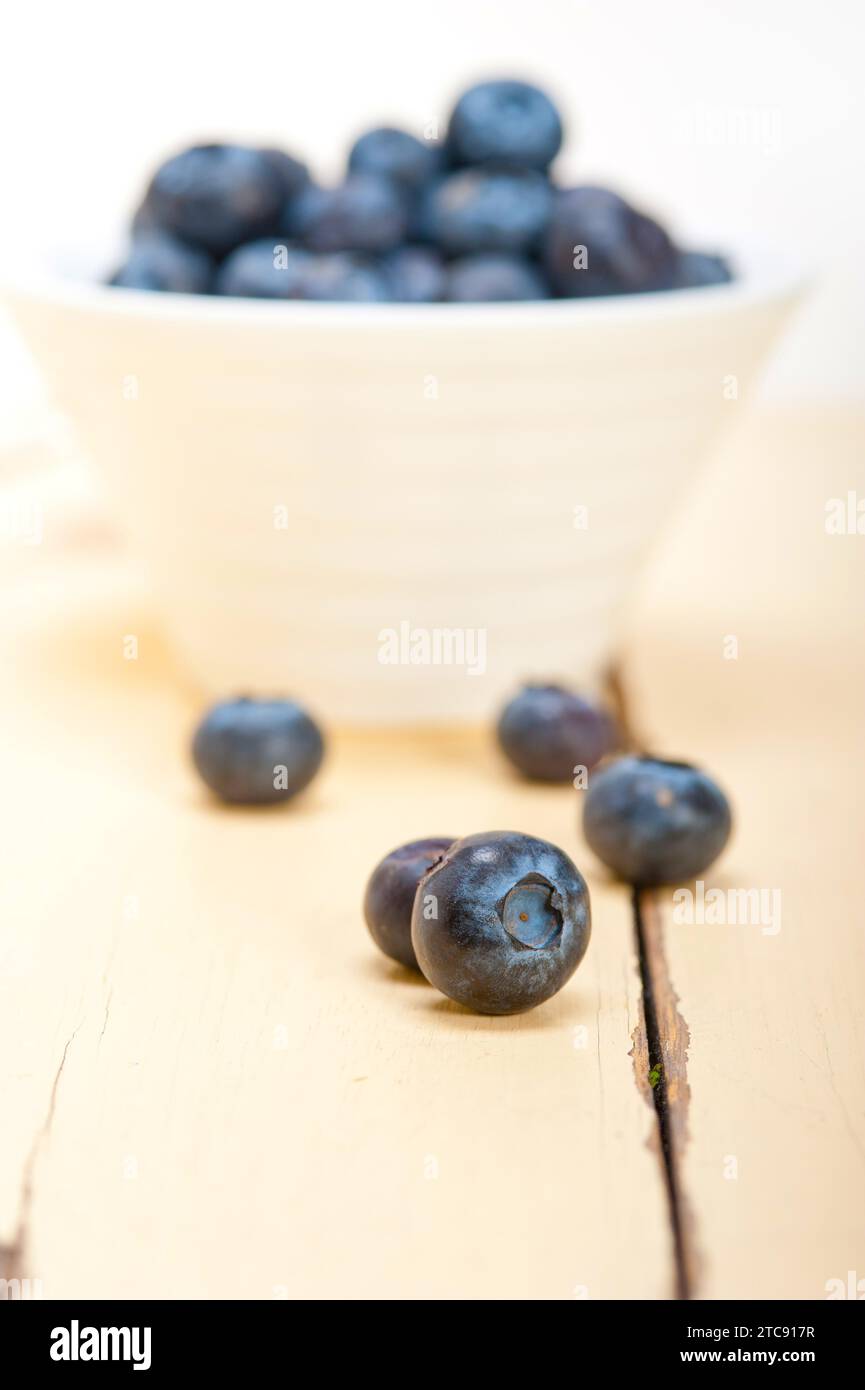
(502, 922)
(547, 732)
(292, 173)
(257, 751)
(264, 270)
(217, 196)
(505, 123)
(485, 210)
(389, 897)
(493, 277)
(421, 215)
(415, 274)
(144, 222)
(652, 821)
(344, 277)
(598, 244)
(696, 268)
(270, 270)
(366, 213)
(157, 261)
(397, 155)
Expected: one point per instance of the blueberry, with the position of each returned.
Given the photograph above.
(143, 221)
(292, 173)
(160, 262)
(415, 274)
(624, 250)
(366, 213)
(502, 922)
(505, 122)
(217, 196)
(257, 751)
(268, 270)
(696, 268)
(389, 896)
(264, 270)
(484, 278)
(397, 155)
(652, 821)
(485, 210)
(344, 277)
(421, 213)
(547, 732)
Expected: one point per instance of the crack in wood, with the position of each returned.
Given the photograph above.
(661, 1038)
(660, 1053)
(13, 1255)
(105, 1017)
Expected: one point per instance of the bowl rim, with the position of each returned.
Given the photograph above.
(761, 275)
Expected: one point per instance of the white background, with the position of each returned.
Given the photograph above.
(739, 117)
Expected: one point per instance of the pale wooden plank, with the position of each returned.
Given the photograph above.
(776, 1022)
(229, 1179)
(252, 1102)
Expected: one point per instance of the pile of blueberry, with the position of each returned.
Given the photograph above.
(474, 217)
(497, 921)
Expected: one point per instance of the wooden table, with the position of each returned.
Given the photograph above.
(212, 1085)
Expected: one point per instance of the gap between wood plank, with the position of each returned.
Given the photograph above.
(661, 1051)
(661, 1039)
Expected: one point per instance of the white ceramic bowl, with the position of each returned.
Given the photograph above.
(396, 512)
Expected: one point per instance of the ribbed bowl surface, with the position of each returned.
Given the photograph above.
(396, 513)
